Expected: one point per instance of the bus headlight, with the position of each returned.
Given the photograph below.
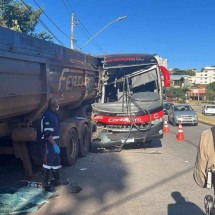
(157, 121)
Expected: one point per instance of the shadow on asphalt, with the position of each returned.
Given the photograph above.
(181, 206)
(12, 171)
(130, 146)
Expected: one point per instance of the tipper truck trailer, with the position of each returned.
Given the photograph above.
(31, 72)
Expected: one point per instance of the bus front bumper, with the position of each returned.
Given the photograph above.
(117, 137)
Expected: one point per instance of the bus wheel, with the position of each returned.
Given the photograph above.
(85, 141)
(69, 154)
(173, 122)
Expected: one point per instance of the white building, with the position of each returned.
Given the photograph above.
(161, 61)
(206, 76)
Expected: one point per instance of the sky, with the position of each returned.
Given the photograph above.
(181, 31)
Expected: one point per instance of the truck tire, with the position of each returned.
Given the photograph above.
(84, 145)
(69, 154)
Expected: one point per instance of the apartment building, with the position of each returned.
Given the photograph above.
(206, 76)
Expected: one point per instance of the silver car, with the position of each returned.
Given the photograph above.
(182, 113)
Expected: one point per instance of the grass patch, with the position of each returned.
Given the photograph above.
(206, 119)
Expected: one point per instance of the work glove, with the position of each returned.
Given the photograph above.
(56, 148)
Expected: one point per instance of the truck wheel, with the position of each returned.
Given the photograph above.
(85, 141)
(69, 154)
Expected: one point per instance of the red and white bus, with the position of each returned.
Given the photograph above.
(129, 106)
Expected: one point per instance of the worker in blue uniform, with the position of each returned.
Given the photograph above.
(50, 135)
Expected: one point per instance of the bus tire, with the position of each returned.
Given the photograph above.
(173, 123)
(84, 145)
(69, 154)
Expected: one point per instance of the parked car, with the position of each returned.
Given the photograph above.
(166, 107)
(208, 110)
(182, 113)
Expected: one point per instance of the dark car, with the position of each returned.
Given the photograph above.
(166, 107)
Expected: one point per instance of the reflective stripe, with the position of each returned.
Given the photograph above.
(51, 167)
(56, 167)
(54, 137)
(41, 125)
(46, 166)
(48, 129)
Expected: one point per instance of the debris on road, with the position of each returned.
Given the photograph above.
(22, 198)
(74, 188)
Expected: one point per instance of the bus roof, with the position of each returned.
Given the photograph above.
(127, 60)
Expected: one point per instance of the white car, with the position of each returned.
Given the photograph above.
(208, 110)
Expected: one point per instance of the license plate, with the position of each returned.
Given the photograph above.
(129, 140)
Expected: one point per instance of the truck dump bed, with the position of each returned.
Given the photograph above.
(32, 70)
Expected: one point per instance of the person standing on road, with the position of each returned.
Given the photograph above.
(204, 170)
(50, 135)
(205, 159)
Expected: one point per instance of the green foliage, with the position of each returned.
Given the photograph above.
(173, 92)
(19, 17)
(43, 35)
(15, 15)
(189, 72)
(210, 91)
(179, 72)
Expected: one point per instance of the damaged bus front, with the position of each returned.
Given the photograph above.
(129, 106)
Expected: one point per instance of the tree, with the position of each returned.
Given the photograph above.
(210, 91)
(19, 17)
(189, 72)
(177, 92)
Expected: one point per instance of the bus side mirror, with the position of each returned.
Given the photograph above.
(166, 76)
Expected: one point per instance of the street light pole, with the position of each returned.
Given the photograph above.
(116, 20)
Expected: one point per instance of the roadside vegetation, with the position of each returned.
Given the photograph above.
(210, 120)
(21, 17)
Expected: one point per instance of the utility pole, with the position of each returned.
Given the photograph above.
(72, 31)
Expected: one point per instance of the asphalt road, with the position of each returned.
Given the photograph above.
(156, 179)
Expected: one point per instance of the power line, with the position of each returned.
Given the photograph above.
(88, 35)
(94, 41)
(66, 7)
(44, 25)
(53, 22)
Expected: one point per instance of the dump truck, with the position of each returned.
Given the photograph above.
(31, 72)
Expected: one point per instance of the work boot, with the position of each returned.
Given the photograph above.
(57, 181)
(46, 185)
(56, 175)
